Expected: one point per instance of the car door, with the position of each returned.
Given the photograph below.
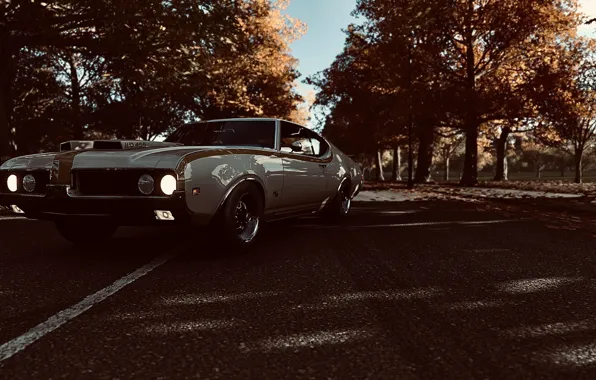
(305, 181)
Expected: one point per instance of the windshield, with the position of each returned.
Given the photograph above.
(254, 133)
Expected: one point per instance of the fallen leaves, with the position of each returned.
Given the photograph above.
(551, 186)
(556, 213)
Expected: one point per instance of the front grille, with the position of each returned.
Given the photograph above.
(113, 182)
(42, 179)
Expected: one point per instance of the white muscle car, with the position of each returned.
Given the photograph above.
(231, 174)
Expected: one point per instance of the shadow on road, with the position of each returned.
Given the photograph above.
(456, 302)
(437, 300)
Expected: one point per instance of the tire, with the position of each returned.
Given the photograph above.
(340, 206)
(238, 222)
(81, 232)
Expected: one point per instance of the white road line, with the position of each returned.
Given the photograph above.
(20, 343)
(421, 224)
(14, 218)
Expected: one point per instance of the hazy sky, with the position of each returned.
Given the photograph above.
(317, 49)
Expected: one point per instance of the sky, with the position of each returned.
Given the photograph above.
(324, 39)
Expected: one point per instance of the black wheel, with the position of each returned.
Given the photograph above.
(82, 232)
(340, 205)
(238, 222)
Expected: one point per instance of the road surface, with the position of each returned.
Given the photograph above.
(403, 290)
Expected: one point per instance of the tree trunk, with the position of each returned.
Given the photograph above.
(380, 176)
(538, 171)
(501, 173)
(396, 175)
(75, 85)
(579, 155)
(446, 177)
(6, 78)
(562, 170)
(425, 154)
(470, 173)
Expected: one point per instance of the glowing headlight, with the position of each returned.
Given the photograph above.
(11, 182)
(146, 184)
(29, 183)
(168, 184)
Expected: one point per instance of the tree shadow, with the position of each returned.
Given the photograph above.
(493, 301)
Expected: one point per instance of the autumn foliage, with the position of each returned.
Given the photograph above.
(476, 66)
(137, 69)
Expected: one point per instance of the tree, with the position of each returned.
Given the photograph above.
(565, 91)
(453, 63)
(257, 78)
(301, 114)
(362, 115)
(539, 154)
(450, 142)
(135, 29)
(481, 38)
(137, 69)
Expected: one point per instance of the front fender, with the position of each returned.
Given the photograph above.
(248, 177)
(208, 181)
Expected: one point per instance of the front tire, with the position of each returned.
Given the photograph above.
(81, 232)
(238, 223)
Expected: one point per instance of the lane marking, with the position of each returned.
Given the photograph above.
(14, 218)
(20, 343)
(421, 224)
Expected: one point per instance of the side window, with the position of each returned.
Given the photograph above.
(319, 146)
(297, 139)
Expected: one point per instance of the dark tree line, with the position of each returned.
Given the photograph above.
(136, 69)
(476, 68)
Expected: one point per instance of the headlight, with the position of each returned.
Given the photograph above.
(146, 184)
(29, 183)
(168, 184)
(11, 182)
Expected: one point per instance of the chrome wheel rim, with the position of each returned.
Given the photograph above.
(247, 223)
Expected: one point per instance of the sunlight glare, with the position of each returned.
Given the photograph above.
(314, 339)
(535, 285)
(387, 295)
(550, 329)
(190, 299)
(189, 326)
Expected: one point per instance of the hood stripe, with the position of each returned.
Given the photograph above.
(225, 152)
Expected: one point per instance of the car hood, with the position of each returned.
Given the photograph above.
(153, 157)
(156, 155)
(32, 161)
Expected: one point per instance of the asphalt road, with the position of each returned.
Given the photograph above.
(406, 290)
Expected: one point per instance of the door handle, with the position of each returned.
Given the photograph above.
(323, 165)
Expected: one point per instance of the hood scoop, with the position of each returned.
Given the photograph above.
(112, 144)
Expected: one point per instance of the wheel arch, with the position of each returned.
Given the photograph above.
(250, 178)
(345, 179)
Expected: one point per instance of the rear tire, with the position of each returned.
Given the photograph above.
(238, 222)
(82, 232)
(341, 204)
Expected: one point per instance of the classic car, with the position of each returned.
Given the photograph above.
(229, 174)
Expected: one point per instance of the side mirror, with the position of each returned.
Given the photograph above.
(296, 146)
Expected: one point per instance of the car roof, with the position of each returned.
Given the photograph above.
(252, 119)
(242, 118)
